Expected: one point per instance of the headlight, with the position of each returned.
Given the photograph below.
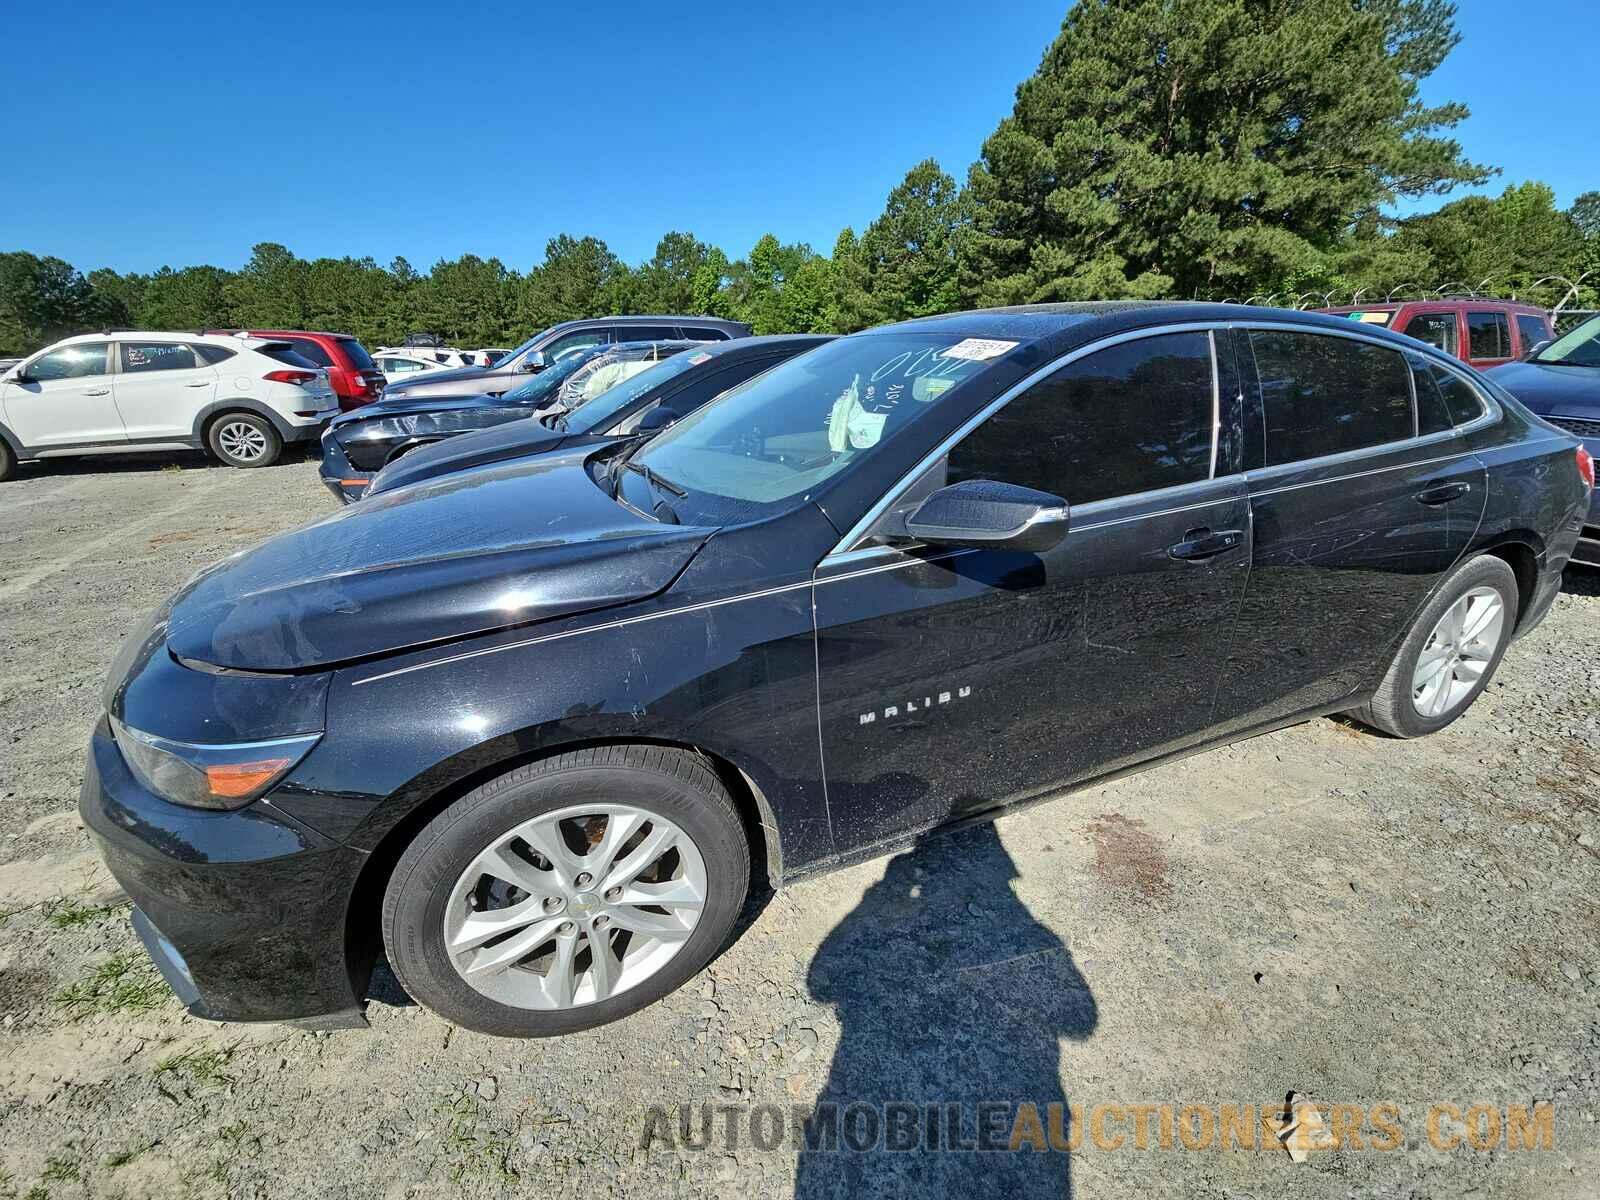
(208, 776)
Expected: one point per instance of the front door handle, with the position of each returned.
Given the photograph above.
(1443, 493)
(1205, 543)
(199, 383)
(99, 392)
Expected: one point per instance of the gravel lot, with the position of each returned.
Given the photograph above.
(1363, 920)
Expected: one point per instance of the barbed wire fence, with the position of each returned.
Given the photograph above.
(1568, 301)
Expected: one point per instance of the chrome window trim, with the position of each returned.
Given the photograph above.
(857, 531)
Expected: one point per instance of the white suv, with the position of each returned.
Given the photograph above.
(241, 398)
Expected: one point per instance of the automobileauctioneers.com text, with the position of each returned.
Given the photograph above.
(1010, 1127)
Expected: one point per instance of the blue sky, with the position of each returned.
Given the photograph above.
(137, 135)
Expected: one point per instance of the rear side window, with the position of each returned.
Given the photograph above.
(1461, 400)
(1532, 330)
(1327, 395)
(695, 334)
(1488, 336)
(357, 354)
(212, 355)
(645, 333)
(312, 351)
(1130, 418)
(140, 357)
(1437, 329)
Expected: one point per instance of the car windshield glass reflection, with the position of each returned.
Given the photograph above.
(1580, 348)
(784, 432)
(546, 383)
(600, 410)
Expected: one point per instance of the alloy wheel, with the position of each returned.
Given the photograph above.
(242, 441)
(1458, 652)
(575, 906)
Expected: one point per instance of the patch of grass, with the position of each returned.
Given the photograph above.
(472, 1151)
(123, 983)
(68, 912)
(201, 1065)
(60, 1168)
(123, 1157)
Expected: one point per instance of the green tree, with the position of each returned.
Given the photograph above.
(578, 278)
(44, 299)
(1499, 245)
(193, 298)
(757, 289)
(269, 292)
(1203, 146)
(905, 264)
(666, 284)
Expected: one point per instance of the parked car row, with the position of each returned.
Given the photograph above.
(1484, 333)
(523, 718)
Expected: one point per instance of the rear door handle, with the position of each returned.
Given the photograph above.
(1443, 493)
(99, 392)
(199, 383)
(1205, 543)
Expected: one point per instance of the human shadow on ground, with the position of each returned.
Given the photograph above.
(951, 996)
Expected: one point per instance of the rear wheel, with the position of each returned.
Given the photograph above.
(1450, 654)
(568, 893)
(242, 439)
(8, 462)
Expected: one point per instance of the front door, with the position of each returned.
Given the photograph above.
(953, 681)
(1361, 500)
(161, 387)
(66, 400)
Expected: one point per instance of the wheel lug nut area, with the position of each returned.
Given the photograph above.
(614, 895)
(585, 879)
(554, 904)
(568, 927)
(602, 921)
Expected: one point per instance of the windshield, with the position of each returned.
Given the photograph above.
(1580, 348)
(606, 371)
(805, 420)
(542, 388)
(600, 411)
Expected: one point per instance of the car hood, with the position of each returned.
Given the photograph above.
(400, 406)
(499, 443)
(1566, 391)
(467, 554)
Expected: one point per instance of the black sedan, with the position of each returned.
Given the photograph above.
(1561, 382)
(356, 445)
(639, 406)
(526, 727)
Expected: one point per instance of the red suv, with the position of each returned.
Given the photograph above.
(1484, 333)
(355, 377)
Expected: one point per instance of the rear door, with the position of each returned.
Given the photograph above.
(954, 681)
(1358, 508)
(161, 387)
(67, 399)
(1488, 337)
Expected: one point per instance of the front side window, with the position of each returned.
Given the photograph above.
(564, 346)
(139, 357)
(1488, 335)
(1437, 329)
(1327, 395)
(1532, 330)
(788, 430)
(645, 333)
(71, 362)
(1133, 417)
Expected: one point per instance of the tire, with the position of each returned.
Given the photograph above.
(521, 992)
(8, 462)
(242, 439)
(1400, 707)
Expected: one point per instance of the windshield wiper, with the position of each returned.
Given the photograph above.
(650, 477)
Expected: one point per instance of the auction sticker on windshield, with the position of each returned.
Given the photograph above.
(977, 349)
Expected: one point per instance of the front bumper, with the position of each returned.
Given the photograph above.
(347, 482)
(244, 912)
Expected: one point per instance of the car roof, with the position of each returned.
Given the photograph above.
(177, 335)
(746, 345)
(1057, 328)
(298, 332)
(651, 319)
(1440, 302)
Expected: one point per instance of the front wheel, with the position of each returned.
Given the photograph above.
(244, 440)
(569, 892)
(1450, 654)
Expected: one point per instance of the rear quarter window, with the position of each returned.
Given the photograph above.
(356, 353)
(311, 350)
(1324, 394)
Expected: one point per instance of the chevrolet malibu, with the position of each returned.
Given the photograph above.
(531, 729)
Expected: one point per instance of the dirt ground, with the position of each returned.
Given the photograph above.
(1406, 929)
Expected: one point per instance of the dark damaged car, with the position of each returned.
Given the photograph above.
(639, 406)
(528, 729)
(357, 445)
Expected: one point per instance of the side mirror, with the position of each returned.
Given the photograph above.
(657, 418)
(982, 514)
(533, 364)
(1533, 350)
